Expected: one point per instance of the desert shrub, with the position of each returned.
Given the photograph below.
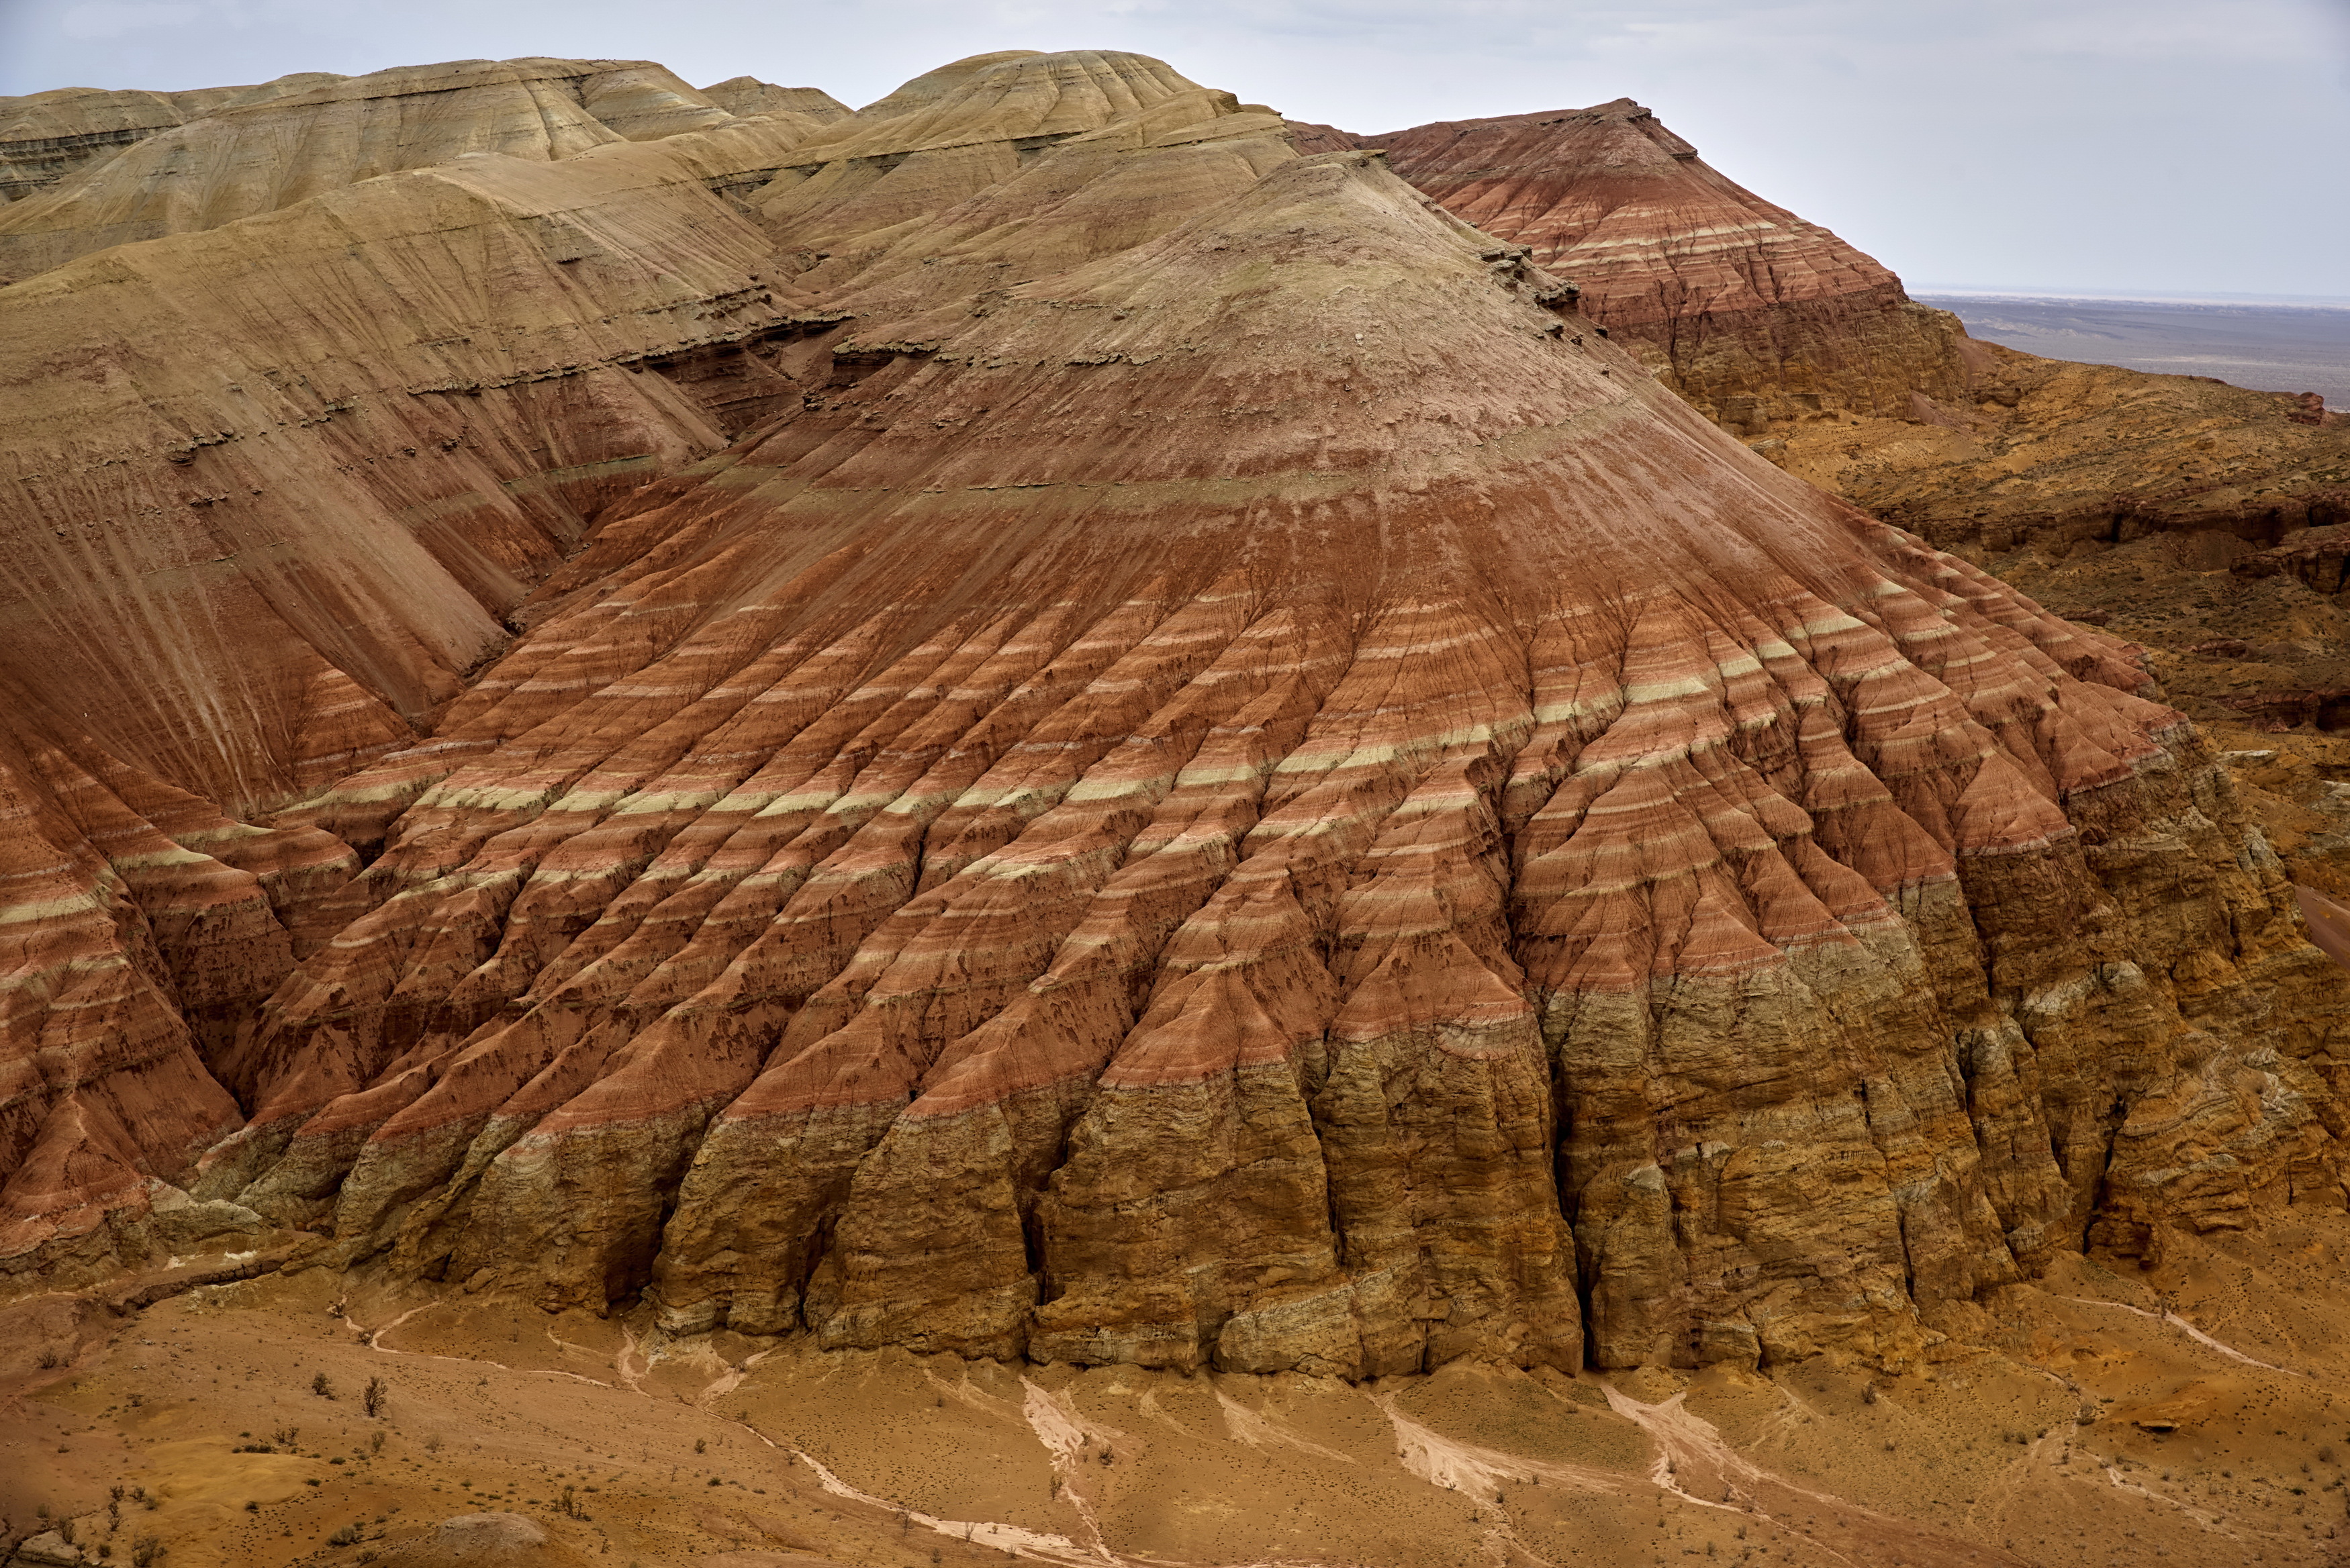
(322, 1387)
(145, 1551)
(348, 1535)
(372, 1396)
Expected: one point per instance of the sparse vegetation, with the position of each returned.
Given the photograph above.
(349, 1535)
(145, 1551)
(286, 1437)
(372, 1397)
(322, 1387)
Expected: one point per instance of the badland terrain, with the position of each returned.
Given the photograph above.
(1059, 820)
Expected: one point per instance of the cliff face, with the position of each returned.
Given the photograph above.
(1747, 310)
(1207, 779)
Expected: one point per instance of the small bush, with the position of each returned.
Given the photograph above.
(348, 1535)
(322, 1387)
(285, 1437)
(145, 1551)
(372, 1396)
(700, 1444)
(49, 1360)
(251, 1506)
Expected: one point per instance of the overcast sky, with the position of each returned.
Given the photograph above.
(2106, 146)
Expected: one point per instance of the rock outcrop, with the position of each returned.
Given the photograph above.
(1211, 777)
(1788, 336)
(1750, 312)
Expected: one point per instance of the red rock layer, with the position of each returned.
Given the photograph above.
(1223, 786)
(297, 470)
(1253, 801)
(1746, 309)
(137, 928)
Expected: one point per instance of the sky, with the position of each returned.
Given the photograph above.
(2117, 147)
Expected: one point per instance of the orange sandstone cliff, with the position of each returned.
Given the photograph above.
(1100, 740)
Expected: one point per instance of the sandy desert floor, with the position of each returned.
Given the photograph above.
(2191, 1414)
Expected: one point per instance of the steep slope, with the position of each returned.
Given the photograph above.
(1748, 311)
(238, 160)
(1208, 780)
(46, 136)
(272, 489)
(305, 464)
(1786, 335)
(1257, 801)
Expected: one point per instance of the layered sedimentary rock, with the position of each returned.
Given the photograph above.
(1215, 778)
(272, 491)
(1747, 310)
(300, 469)
(46, 136)
(239, 159)
(745, 97)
